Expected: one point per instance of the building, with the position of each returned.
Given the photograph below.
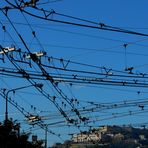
(105, 136)
(92, 136)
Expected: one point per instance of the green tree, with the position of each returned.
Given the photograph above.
(10, 136)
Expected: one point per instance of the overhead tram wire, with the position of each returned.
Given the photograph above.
(97, 73)
(30, 26)
(32, 82)
(87, 26)
(92, 50)
(35, 36)
(125, 104)
(17, 106)
(21, 77)
(84, 20)
(12, 76)
(136, 112)
(107, 28)
(106, 50)
(113, 79)
(79, 81)
(83, 34)
(33, 32)
(88, 65)
(99, 107)
(76, 18)
(47, 75)
(5, 30)
(47, 96)
(92, 66)
(132, 75)
(27, 47)
(110, 116)
(60, 75)
(26, 114)
(85, 64)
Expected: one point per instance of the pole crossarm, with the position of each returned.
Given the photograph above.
(6, 95)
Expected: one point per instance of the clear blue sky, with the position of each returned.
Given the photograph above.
(85, 45)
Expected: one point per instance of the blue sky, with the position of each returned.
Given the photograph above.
(84, 45)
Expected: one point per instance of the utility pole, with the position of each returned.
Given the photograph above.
(46, 132)
(6, 95)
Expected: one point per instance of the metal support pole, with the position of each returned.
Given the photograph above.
(6, 94)
(46, 132)
(6, 113)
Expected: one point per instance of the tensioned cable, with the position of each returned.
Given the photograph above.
(21, 39)
(45, 74)
(113, 29)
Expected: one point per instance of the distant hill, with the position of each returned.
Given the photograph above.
(108, 137)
